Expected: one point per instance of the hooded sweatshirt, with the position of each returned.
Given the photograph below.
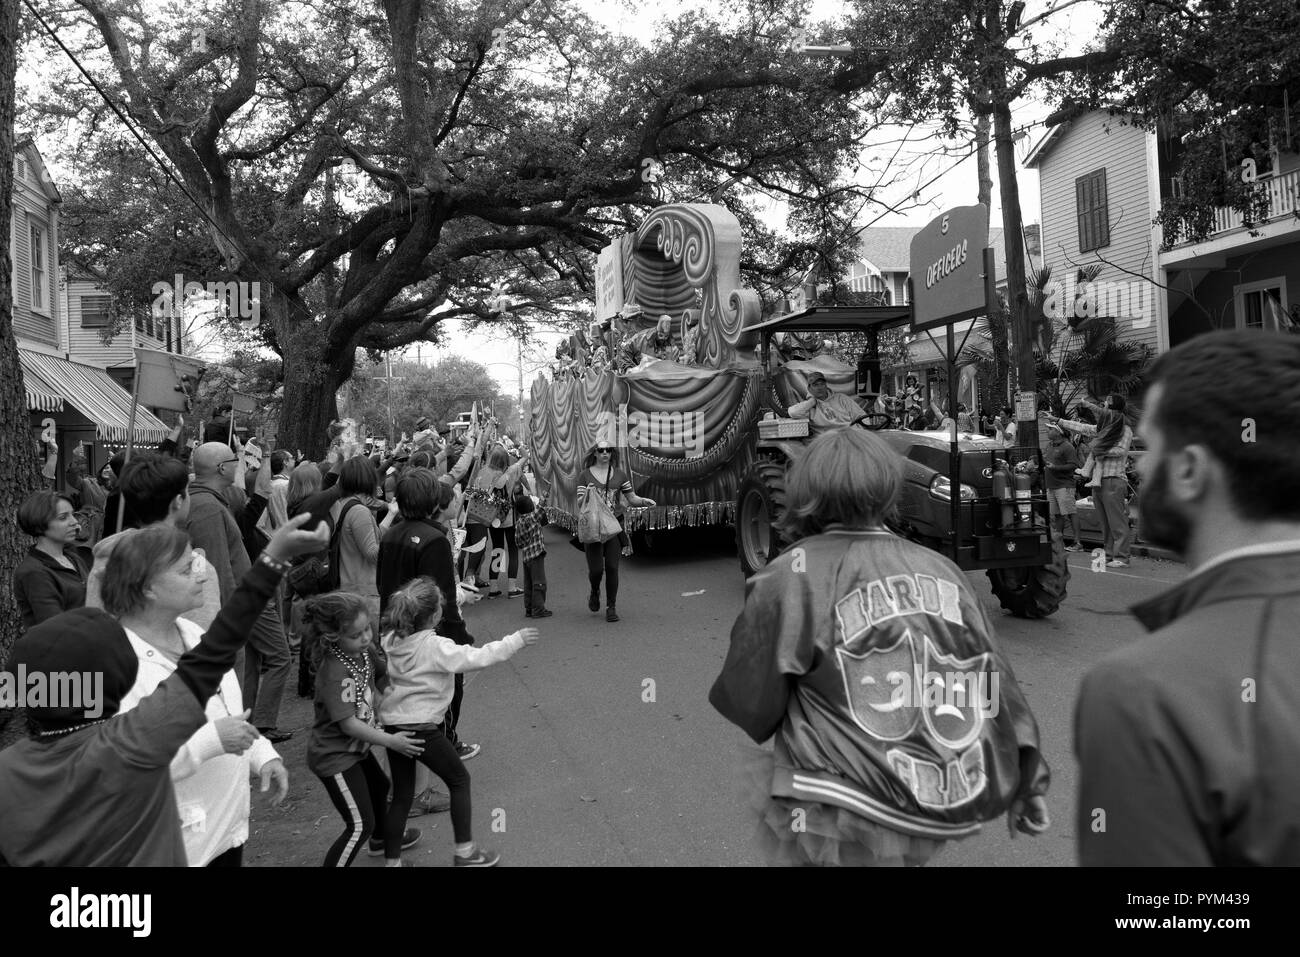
(422, 669)
(203, 616)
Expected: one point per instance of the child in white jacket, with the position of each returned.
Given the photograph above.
(422, 666)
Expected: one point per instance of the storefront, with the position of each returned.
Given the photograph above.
(84, 409)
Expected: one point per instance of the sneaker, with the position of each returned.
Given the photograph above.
(514, 593)
(275, 735)
(410, 838)
(1117, 563)
(494, 594)
(466, 751)
(430, 801)
(593, 601)
(1076, 547)
(611, 614)
(480, 858)
(480, 585)
(544, 613)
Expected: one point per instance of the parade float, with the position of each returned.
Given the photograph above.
(680, 423)
(692, 384)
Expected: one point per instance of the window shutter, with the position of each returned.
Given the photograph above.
(1102, 235)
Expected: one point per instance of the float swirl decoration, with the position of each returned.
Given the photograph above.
(682, 430)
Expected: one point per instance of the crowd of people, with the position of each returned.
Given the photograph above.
(363, 565)
(212, 562)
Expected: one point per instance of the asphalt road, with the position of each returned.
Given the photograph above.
(600, 746)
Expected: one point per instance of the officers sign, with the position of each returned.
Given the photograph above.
(948, 267)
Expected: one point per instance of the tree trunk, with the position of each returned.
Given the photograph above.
(311, 384)
(1017, 282)
(17, 461)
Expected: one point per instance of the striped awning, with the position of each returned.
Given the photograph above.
(41, 396)
(50, 379)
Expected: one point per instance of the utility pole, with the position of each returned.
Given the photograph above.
(389, 378)
(1012, 221)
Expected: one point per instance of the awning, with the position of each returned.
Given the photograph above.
(41, 396)
(50, 379)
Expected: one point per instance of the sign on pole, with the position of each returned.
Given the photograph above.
(164, 380)
(1026, 406)
(609, 281)
(243, 403)
(948, 268)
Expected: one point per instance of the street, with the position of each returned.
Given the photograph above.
(600, 746)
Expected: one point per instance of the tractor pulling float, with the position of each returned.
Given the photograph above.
(710, 439)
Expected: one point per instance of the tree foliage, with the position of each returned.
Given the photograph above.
(441, 391)
(1215, 78)
(365, 164)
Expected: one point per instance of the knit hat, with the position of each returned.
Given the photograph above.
(84, 641)
(422, 423)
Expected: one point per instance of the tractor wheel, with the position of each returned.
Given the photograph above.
(1033, 592)
(760, 503)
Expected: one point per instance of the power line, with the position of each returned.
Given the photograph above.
(167, 171)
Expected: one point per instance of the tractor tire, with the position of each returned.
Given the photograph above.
(1033, 592)
(760, 503)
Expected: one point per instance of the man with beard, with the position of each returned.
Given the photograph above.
(1187, 740)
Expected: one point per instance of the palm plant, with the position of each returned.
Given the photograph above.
(1082, 357)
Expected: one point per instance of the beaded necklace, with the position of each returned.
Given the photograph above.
(76, 727)
(363, 675)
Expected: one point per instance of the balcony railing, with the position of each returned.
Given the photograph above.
(1283, 200)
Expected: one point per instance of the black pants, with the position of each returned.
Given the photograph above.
(231, 858)
(474, 533)
(535, 584)
(439, 757)
(505, 538)
(452, 717)
(602, 559)
(359, 795)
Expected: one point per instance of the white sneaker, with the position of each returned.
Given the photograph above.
(1117, 563)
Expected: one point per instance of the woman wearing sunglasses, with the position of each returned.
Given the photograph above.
(602, 476)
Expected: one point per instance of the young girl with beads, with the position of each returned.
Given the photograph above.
(349, 674)
(422, 666)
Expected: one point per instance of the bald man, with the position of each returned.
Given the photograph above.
(213, 528)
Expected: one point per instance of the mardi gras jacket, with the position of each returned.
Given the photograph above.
(873, 664)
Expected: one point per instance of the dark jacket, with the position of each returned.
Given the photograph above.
(212, 527)
(43, 588)
(103, 796)
(1188, 739)
(834, 654)
(411, 549)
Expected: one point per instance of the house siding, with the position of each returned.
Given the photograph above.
(1093, 142)
(88, 345)
(31, 204)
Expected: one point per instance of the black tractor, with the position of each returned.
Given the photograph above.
(982, 505)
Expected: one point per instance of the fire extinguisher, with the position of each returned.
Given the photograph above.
(1002, 493)
(1024, 507)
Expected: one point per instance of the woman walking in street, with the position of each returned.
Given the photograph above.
(603, 477)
